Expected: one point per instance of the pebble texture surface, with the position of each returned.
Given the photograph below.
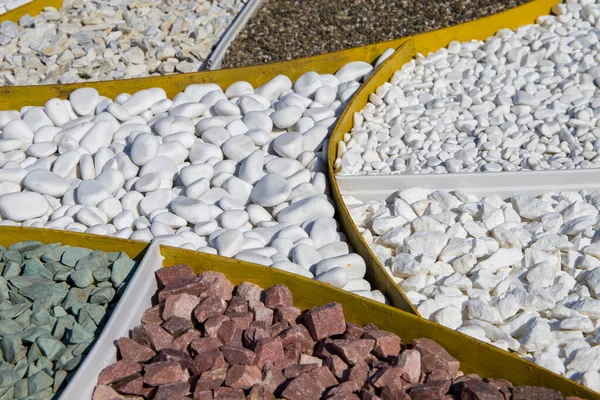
(206, 339)
(521, 273)
(287, 29)
(238, 172)
(116, 39)
(522, 100)
(55, 300)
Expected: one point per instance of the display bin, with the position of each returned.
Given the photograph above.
(379, 187)
(474, 356)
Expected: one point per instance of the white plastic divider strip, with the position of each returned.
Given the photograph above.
(136, 299)
(504, 184)
(216, 57)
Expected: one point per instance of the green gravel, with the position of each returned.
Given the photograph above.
(54, 302)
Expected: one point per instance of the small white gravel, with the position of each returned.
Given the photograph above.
(521, 273)
(239, 173)
(522, 100)
(116, 39)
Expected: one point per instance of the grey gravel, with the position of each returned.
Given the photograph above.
(283, 30)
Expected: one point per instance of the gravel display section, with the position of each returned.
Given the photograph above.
(239, 172)
(521, 273)
(116, 39)
(520, 100)
(55, 302)
(206, 340)
(283, 30)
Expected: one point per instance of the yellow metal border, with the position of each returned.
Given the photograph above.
(33, 9)
(15, 97)
(474, 355)
(424, 43)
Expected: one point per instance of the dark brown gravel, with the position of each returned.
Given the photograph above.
(287, 29)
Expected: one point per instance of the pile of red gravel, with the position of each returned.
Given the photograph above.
(206, 339)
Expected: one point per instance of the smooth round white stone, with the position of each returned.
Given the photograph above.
(18, 129)
(112, 179)
(353, 71)
(289, 145)
(193, 211)
(302, 210)
(144, 148)
(229, 242)
(57, 111)
(293, 268)
(22, 206)
(284, 167)
(196, 189)
(286, 117)
(46, 182)
(251, 169)
(238, 147)
(353, 264)
(202, 152)
(216, 135)
(123, 220)
(147, 183)
(226, 108)
(188, 110)
(258, 120)
(308, 83)
(233, 219)
(90, 193)
(170, 219)
(194, 172)
(111, 207)
(271, 190)
(273, 89)
(139, 102)
(259, 137)
(84, 100)
(43, 149)
(336, 277)
(162, 166)
(239, 89)
(99, 136)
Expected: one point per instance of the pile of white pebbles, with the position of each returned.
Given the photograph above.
(522, 100)
(101, 40)
(239, 173)
(521, 273)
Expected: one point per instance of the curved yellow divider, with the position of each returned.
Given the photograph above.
(424, 43)
(475, 356)
(33, 9)
(15, 97)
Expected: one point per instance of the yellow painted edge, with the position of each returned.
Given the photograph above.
(15, 97)
(33, 9)
(474, 355)
(423, 43)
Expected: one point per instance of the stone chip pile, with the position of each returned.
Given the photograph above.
(238, 172)
(521, 273)
(54, 301)
(521, 100)
(206, 339)
(117, 39)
